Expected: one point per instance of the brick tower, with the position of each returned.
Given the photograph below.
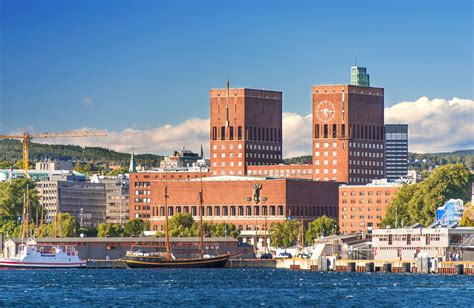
(348, 133)
(245, 129)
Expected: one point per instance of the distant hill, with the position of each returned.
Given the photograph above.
(11, 152)
(417, 161)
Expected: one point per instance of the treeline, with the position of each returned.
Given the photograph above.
(431, 160)
(11, 153)
(417, 203)
(419, 162)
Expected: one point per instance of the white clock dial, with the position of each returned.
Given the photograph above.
(325, 111)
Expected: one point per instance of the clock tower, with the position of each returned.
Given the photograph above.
(348, 138)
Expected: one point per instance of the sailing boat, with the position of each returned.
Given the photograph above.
(142, 259)
(30, 255)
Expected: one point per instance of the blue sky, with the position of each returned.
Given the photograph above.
(142, 64)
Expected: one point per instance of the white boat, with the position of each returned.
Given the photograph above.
(30, 255)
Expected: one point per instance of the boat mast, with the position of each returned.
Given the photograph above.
(167, 237)
(201, 209)
(265, 235)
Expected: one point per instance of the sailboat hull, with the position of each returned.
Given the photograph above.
(156, 262)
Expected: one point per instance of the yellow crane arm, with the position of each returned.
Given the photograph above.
(69, 134)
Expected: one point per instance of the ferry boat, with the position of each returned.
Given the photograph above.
(142, 259)
(30, 255)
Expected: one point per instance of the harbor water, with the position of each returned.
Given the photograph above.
(230, 287)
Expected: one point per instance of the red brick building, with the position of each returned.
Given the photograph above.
(363, 207)
(348, 133)
(248, 202)
(245, 129)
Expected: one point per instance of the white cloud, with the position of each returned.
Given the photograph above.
(434, 125)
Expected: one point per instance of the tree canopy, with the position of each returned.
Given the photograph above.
(135, 227)
(284, 234)
(321, 226)
(417, 203)
(12, 198)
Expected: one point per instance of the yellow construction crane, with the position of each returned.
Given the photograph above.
(26, 138)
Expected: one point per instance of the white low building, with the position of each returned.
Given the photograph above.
(438, 242)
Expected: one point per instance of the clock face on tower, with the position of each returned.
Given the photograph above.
(325, 111)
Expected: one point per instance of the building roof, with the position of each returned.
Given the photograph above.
(125, 239)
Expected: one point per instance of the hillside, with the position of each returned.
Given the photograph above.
(417, 161)
(11, 152)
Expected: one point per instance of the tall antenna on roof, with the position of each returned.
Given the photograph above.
(227, 104)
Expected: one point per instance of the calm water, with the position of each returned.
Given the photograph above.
(236, 287)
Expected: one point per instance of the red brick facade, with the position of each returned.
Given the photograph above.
(363, 207)
(234, 200)
(245, 129)
(348, 133)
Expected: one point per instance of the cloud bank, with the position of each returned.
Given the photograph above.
(434, 125)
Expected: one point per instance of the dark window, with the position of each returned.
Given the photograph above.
(279, 135)
(256, 210)
(272, 210)
(326, 132)
(162, 211)
(316, 131)
(264, 210)
(343, 130)
(209, 211)
(259, 134)
(241, 211)
(232, 211)
(248, 210)
(334, 130)
(239, 133)
(193, 211)
(178, 209)
(170, 211)
(214, 133)
(225, 211)
(231, 133)
(222, 133)
(186, 209)
(280, 210)
(254, 133)
(217, 211)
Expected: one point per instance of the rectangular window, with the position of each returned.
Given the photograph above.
(272, 210)
(264, 210)
(256, 210)
(222, 133)
(232, 211)
(214, 133)
(239, 133)
(334, 130)
(280, 210)
(193, 211)
(343, 130)
(209, 211)
(231, 133)
(326, 131)
(248, 210)
(225, 211)
(241, 210)
(217, 211)
(259, 133)
(316, 131)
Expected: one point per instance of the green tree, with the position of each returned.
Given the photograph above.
(105, 229)
(468, 215)
(64, 225)
(12, 198)
(397, 214)
(284, 234)
(321, 226)
(9, 228)
(417, 203)
(118, 171)
(135, 227)
(223, 229)
(182, 224)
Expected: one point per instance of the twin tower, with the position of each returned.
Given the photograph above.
(347, 133)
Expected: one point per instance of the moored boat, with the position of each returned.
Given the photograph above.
(142, 259)
(30, 255)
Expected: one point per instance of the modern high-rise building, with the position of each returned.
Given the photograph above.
(117, 193)
(245, 129)
(396, 151)
(348, 133)
(359, 76)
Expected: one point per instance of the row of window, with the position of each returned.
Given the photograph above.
(363, 193)
(363, 145)
(365, 154)
(362, 217)
(365, 163)
(232, 210)
(366, 171)
(251, 133)
(368, 132)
